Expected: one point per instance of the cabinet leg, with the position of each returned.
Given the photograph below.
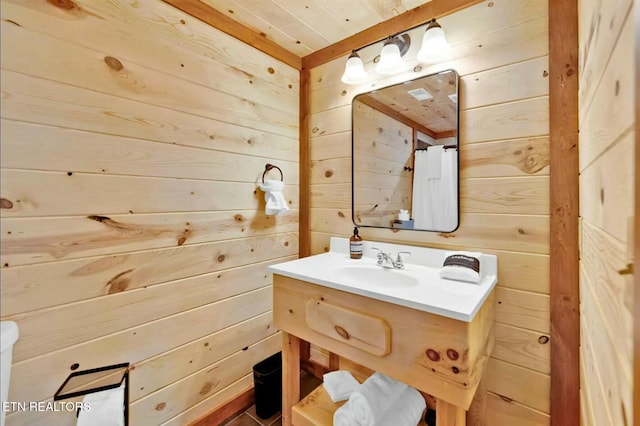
(290, 375)
(449, 415)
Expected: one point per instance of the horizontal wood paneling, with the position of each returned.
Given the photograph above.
(130, 80)
(523, 309)
(40, 377)
(48, 331)
(521, 80)
(615, 374)
(40, 239)
(24, 289)
(194, 388)
(34, 147)
(523, 385)
(516, 157)
(606, 184)
(522, 347)
(110, 23)
(518, 119)
(218, 399)
(180, 362)
(503, 411)
(603, 259)
(498, 232)
(600, 27)
(131, 158)
(611, 117)
(337, 145)
(500, 50)
(76, 108)
(90, 194)
(607, 109)
(505, 195)
(496, 196)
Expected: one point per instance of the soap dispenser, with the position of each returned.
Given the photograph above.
(355, 245)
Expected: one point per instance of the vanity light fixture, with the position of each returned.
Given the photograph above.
(434, 44)
(434, 48)
(391, 56)
(354, 72)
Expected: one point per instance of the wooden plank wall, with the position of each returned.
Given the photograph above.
(607, 140)
(383, 184)
(500, 49)
(133, 138)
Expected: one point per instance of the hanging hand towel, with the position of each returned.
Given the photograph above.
(373, 398)
(434, 161)
(276, 203)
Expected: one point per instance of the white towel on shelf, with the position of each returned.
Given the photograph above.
(406, 411)
(434, 161)
(373, 398)
(344, 416)
(276, 203)
(339, 385)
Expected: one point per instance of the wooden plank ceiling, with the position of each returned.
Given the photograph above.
(305, 26)
(307, 33)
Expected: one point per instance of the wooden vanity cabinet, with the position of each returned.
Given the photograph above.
(441, 356)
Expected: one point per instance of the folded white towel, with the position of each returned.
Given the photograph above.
(434, 161)
(276, 203)
(373, 398)
(462, 266)
(339, 385)
(406, 411)
(344, 416)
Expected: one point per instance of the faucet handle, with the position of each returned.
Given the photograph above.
(380, 255)
(399, 260)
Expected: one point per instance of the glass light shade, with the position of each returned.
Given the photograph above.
(390, 60)
(434, 45)
(354, 72)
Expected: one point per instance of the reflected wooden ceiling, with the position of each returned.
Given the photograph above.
(436, 116)
(305, 26)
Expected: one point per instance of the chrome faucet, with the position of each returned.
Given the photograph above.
(386, 261)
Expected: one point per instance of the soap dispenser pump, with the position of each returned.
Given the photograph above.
(355, 245)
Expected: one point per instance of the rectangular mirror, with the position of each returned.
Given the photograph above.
(405, 155)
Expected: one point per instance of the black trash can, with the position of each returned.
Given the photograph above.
(267, 380)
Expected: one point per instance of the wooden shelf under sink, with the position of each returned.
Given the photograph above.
(317, 409)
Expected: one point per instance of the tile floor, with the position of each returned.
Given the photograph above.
(250, 418)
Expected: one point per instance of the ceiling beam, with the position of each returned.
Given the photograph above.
(216, 19)
(412, 18)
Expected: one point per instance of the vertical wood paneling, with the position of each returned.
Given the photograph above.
(133, 228)
(608, 177)
(504, 169)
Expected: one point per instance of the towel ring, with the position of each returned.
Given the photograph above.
(268, 167)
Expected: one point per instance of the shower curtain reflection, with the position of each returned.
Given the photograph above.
(435, 192)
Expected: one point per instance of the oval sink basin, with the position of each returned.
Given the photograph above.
(374, 276)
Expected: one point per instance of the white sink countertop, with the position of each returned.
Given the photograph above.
(417, 286)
